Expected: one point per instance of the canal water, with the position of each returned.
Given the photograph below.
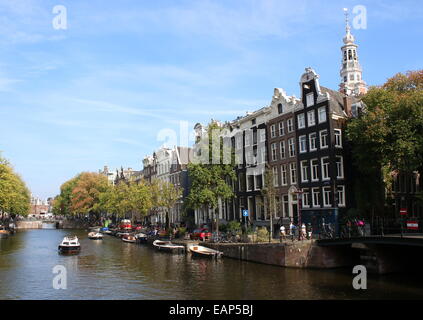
(112, 269)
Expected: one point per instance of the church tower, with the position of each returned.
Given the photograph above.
(352, 83)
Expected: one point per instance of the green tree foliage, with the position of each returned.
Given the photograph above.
(170, 195)
(14, 195)
(388, 136)
(269, 193)
(211, 180)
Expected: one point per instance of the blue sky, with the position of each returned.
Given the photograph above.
(99, 92)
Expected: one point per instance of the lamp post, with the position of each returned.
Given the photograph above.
(299, 194)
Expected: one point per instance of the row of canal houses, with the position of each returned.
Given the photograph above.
(302, 140)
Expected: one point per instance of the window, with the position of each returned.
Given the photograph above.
(338, 138)
(274, 151)
(313, 141)
(291, 147)
(306, 200)
(340, 190)
(311, 118)
(281, 129)
(303, 144)
(285, 205)
(290, 124)
(250, 183)
(249, 157)
(239, 142)
(293, 172)
(275, 176)
(310, 99)
(322, 114)
(323, 139)
(326, 197)
(253, 122)
(325, 168)
(282, 150)
(258, 181)
(280, 108)
(315, 197)
(314, 170)
(247, 138)
(304, 171)
(273, 131)
(301, 121)
(340, 167)
(284, 179)
(352, 77)
(262, 135)
(263, 155)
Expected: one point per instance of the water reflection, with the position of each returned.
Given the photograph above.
(112, 269)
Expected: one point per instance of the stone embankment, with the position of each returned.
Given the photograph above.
(297, 254)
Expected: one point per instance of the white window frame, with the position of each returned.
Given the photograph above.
(274, 150)
(301, 121)
(262, 135)
(282, 147)
(302, 142)
(325, 166)
(281, 129)
(341, 195)
(327, 193)
(310, 99)
(293, 169)
(313, 114)
(313, 134)
(313, 178)
(247, 138)
(315, 197)
(290, 124)
(284, 175)
(304, 171)
(321, 120)
(338, 138)
(291, 147)
(322, 146)
(275, 176)
(340, 167)
(273, 131)
(306, 196)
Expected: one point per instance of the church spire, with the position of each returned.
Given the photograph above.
(351, 72)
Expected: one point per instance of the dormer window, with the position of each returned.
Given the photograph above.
(253, 122)
(280, 108)
(310, 99)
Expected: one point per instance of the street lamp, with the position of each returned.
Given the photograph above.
(299, 194)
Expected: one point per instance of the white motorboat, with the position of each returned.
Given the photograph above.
(201, 251)
(95, 236)
(70, 244)
(168, 246)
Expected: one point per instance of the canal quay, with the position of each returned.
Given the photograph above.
(113, 269)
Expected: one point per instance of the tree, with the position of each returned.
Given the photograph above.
(210, 179)
(85, 197)
(269, 193)
(170, 195)
(63, 202)
(140, 198)
(388, 136)
(14, 195)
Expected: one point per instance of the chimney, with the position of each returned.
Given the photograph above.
(348, 105)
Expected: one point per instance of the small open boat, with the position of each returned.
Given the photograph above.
(4, 233)
(129, 238)
(70, 244)
(141, 237)
(201, 251)
(168, 246)
(95, 236)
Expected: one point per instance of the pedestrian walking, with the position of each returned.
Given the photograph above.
(292, 230)
(303, 231)
(282, 233)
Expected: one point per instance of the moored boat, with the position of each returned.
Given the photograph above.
(141, 237)
(95, 236)
(94, 229)
(168, 246)
(4, 233)
(70, 244)
(201, 251)
(129, 238)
